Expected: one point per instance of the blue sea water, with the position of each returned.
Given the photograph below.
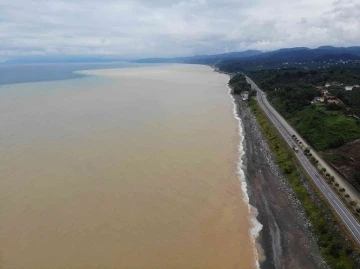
(22, 73)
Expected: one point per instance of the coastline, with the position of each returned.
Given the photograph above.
(285, 240)
(256, 226)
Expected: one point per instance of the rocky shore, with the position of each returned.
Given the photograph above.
(285, 238)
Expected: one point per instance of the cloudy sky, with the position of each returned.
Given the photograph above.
(143, 28)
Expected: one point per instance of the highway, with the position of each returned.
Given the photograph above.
(286, 131)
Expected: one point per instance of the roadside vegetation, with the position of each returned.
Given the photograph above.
(337, 249)
(238, 83)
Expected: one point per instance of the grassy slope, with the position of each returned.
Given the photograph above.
(324, 130)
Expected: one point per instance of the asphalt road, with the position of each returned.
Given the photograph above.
(345, 215)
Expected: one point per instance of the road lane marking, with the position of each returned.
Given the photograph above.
(345, 214)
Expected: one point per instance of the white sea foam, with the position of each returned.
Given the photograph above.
(256, 225)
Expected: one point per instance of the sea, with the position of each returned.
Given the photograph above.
(121, 166)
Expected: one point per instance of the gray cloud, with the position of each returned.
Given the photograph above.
(142, 28)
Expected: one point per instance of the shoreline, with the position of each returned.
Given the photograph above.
(256, 226)
(285, 239)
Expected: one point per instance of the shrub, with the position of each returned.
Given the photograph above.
(327, 175)
(336, 184)
(347, 195)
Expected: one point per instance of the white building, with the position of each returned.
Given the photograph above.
(348, 88)
(327, 85)
(245, 95)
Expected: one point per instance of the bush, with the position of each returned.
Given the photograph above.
(323, 170)
(336, 184)
(342, 190)
(327, 175)
(347, 195)
(332, 178)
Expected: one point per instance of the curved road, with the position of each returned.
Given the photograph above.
(345, 215)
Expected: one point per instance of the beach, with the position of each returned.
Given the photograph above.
(123, 168)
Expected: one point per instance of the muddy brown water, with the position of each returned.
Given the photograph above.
(126, 168)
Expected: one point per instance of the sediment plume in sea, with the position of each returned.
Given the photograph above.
(123, 168)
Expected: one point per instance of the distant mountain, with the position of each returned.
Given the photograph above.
(290, 55)
(252, 58)
(306, 54)
(202, 59)
(232, 61)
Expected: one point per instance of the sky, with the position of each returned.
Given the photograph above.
(161, 28)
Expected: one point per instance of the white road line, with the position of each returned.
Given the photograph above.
(345, 214)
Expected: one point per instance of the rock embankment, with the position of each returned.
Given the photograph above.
(286, 238)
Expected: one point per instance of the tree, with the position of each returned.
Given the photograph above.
(333, 107)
